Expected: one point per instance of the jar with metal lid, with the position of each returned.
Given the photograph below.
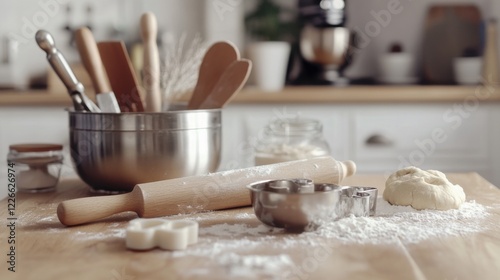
(37, 166)
(291, 139)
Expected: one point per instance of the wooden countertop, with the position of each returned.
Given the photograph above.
(301, 94)
(45, 249)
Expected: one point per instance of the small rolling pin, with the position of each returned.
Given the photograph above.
(151, 69)
(215, 191)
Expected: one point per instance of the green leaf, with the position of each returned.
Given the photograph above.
(265, 22)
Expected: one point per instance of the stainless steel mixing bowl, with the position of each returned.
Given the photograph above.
(114, 152)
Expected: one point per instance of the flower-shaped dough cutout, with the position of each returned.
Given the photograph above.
(146, 234)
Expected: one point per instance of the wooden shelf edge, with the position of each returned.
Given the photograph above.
(370, 94)
(34, 98)
(302, 94)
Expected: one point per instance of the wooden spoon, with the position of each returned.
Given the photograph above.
(230, 83)
(151, 68)
(216, 60)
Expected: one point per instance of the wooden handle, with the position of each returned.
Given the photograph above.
(151, 68)
(89, 54)
(215, 191)
(90, 209)
(229, 84)
(346, 169)
(216, 60)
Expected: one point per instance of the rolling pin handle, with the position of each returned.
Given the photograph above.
(70, 212)
(346, 169)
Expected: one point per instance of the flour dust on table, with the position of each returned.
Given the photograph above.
(231, 246)
(404, 224)
(237, 245)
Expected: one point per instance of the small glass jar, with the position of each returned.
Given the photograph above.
(291, 139)
(37, 166)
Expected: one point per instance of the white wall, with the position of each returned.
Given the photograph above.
(111, 19)
(215, 19)
(405, 27)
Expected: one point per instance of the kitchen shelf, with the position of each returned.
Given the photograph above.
(298, 94)
(34, 97)
(369, 94)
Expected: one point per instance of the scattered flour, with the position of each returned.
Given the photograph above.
(224, 230)
(391, 224)
(244, 266)
(49, 219)
(234, 256)
(249, 172)
(397, 223)
(102, 236)
(232, 246)
(243, 216)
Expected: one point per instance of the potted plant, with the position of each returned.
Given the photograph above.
(271, 28)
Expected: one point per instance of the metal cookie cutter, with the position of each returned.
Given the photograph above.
(145, 234)
(298, 204)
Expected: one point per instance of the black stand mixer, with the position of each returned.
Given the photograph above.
(325, 47)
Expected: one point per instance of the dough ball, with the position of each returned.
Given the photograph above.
(422, 189)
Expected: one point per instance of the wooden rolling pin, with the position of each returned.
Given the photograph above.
(213, 191)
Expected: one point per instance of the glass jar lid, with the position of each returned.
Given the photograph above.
(35, 147)
(35, 154)
(295, 126)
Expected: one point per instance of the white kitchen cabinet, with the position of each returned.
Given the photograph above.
(382, 138)
(432, 136)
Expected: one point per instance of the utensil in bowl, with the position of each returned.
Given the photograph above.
(215, 62)
(229, 84)
(114, 152)
(58, 62)
(89, 54)
(151, 68)
(121, 75)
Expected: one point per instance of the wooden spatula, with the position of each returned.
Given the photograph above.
(151, 68)
(217, 58)
(121, 75)
(228, 85)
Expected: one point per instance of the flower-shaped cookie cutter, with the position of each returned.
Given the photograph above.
(297, 204)
(146, 234)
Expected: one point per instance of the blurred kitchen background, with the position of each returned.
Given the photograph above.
(23, 64)
(415, 41)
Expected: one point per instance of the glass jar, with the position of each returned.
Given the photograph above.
(37, 166)
(291, 139)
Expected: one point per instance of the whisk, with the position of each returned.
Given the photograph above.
(180, 63)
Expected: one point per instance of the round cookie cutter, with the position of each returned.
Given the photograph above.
(299, 204)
